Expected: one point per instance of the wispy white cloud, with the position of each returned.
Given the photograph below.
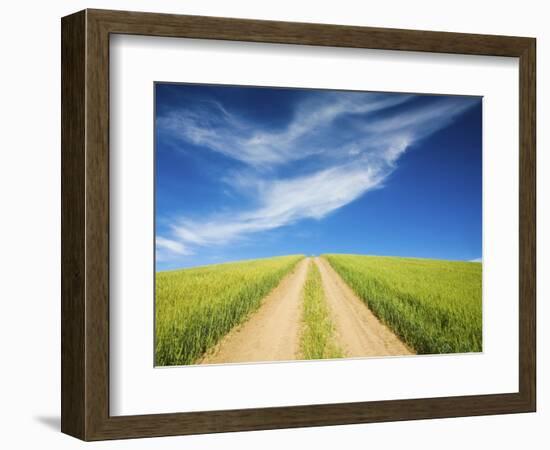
(476, 260)
(284, 202)
(361, 156)
(213, 127)
(166, 247)
(431, 117)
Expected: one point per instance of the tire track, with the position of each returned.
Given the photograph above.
(358, 330)
(273, 332)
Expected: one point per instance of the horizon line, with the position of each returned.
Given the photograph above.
(475, 260)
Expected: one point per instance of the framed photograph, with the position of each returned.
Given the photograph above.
(273, 225)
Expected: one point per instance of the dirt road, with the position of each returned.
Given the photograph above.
(358, 331)
(272, 333)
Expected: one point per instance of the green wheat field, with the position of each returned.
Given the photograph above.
(195, 308)
(433, 306)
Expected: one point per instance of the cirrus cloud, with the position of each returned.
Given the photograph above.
(345, 144)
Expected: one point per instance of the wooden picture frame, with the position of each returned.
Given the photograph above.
(85, 224)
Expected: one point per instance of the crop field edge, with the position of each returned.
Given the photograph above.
(207, 332)
(433, 340)
(317, 339)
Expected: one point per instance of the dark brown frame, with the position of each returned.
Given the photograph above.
(85, 224)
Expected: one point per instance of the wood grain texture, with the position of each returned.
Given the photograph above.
(73, 109)
(527, 225)
(152, 24)
(85, 224)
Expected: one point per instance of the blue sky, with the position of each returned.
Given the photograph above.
(247, 172)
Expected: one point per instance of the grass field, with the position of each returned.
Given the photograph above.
(317, 340)
(433, 305)
(196, 307)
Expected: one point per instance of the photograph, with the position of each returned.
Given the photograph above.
(296, 224)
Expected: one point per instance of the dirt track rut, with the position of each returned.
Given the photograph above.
(358, 331)
(272, 333)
